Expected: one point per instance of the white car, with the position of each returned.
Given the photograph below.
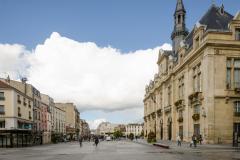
(108, 138)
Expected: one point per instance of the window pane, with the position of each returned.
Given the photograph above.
(237, 77)
(229, 63)
(236, 63)
(197, 109)
(1, 94)
(238, 34)
(229, 77)
(237, 107)
(1, 108)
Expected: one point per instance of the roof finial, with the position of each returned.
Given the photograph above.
(180, 6)
(213, 2)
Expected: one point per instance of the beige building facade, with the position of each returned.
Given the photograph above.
(134, 128)
(106, 128)
(84, 129)
(58, 116)
(196, 90)
(72, 119)
(16, 115)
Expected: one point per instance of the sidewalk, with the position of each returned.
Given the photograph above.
(186, 146)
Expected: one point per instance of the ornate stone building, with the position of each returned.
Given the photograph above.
(134, 128)
(197, 88)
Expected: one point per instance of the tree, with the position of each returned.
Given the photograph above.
(117, 134)
(131, 136)
(151, 137)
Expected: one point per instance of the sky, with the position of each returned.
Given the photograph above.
(97, 54)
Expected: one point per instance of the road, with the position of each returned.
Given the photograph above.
(121, 150)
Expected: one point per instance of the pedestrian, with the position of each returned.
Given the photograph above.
(195, 140)
(96, 141)
(179, 141)
(192, 141)
(200, 139)
(80, 141)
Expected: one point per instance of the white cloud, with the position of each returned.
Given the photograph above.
(94, 124)
(13, 61)
(91, 76)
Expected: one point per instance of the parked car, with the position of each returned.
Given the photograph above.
(108, 138)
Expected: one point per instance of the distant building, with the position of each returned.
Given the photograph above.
(72, 119)
(84, 128)
(134, 128)
(106, 128)
(121, 128)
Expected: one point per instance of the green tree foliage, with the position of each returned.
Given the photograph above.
(117, 134)
(151, 137)
(131, 136)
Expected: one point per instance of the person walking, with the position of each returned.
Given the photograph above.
(96, 141)
(195, 140)
(200, 139)
(80, 141)
(179, 143)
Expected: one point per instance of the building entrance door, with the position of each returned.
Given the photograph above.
(181, 131)
(169, 128)
(196, 129)
(236, 134)
(161, 131)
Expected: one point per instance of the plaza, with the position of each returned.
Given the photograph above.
(114, 150)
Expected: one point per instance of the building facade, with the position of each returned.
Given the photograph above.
(105, 128)
(46, 123)
(16, 115)
(56, 119)
(196, 89)
(72, 119)
(134, 128)
(84, 129)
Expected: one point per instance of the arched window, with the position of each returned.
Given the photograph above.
(179, 19)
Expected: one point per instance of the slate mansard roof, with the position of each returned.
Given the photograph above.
(213, 20)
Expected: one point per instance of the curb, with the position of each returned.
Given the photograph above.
(161, 145)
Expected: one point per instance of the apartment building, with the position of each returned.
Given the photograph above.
(16, 114)
(134, 128)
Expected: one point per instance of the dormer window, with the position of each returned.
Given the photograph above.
(237, 34)
(197, 41)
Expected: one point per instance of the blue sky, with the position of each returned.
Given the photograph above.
(127, 25)
(124, 24)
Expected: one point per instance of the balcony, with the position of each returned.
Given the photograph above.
(2, 113)
(2, 98)
(179, 103)
(237, 114)
(159, 112)
(195, 98)
(180, 119)
(19, 101)
(196, 116)
(237, 87)
(167, 109)
(153, 114)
